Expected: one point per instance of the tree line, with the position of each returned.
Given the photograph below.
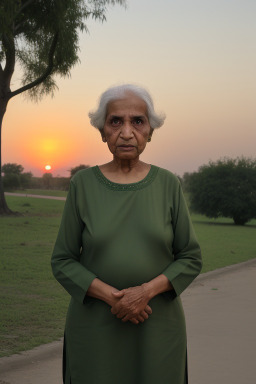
(225, 188)
(14, 178)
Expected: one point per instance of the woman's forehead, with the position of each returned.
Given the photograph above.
(130, 104)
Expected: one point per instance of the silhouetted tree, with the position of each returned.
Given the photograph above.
(8, 168)
(14, 177)
(47, 178)
(43, 35)
(74, 170)
(26, 180)
(11, 181)
(224, 188)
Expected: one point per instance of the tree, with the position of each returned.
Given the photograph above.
(47, 180)
(226, 188)
(11, 181)
(8, 168)
(14, 177)
(43, 36)
(26, 180)
(74, 170)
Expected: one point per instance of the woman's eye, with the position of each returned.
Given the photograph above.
(115, 121)
(138, 121)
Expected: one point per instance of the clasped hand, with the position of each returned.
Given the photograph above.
(132, 304)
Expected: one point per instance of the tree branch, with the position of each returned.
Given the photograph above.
(25, 5)
(9, 47)
(46, 73)
(28, 2)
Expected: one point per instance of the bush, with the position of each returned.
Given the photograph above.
(26, 180)
(224, 188)
(11, 181)
(74, 170)
(47, 180)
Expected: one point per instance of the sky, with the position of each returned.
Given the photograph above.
(197, 59)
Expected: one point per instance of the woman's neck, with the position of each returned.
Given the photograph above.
(125, 171)
(126, 166)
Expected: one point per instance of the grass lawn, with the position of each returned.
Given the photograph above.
(45, 192)
(224, 243)
(33, 305)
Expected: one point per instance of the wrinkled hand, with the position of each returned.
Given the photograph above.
(132, 304)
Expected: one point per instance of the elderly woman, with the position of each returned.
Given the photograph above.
(125, 251)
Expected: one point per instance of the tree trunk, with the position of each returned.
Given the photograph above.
(4, 209)
(238, 220)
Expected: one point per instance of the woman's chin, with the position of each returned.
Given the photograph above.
(126, 155)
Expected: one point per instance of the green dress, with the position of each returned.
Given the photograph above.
(125, 234)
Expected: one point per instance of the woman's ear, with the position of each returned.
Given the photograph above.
(150, 134)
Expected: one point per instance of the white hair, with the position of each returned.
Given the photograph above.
(97, 117)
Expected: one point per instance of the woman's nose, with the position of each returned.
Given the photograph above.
(127, 130)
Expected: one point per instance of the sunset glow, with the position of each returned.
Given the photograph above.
(48, 167)
(198, 62)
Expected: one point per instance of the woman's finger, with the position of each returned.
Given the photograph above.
(140, 318)
(121, 314)
(114, 310)
(118, 293)
(148, 309)
(126, 318)
(133, 320)
(144, 315)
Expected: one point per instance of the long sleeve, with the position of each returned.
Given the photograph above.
(187, 255)
(66, 266)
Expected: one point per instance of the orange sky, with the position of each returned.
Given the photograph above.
(198, 60)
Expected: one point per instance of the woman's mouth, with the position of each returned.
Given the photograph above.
(126, 147)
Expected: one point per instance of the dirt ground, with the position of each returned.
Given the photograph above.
(220, 308)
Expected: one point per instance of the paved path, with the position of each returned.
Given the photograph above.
(221, 320)
(220, 309)
(35, 196)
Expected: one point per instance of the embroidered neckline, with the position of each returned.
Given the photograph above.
(126, 187)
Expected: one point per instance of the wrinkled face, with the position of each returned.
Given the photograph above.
(126, 129)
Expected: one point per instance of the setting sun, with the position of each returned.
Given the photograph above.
(52, 149)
